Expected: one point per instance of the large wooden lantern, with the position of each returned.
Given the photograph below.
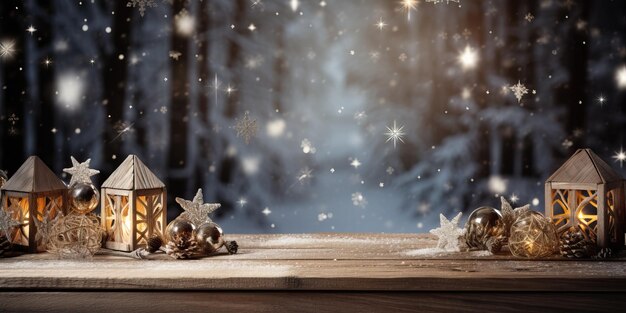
(587, 192)
(134, 206)
(33, 192)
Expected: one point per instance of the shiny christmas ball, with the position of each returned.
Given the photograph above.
(485, 229)
(533, 236)
(209, 237)
(180, 232)
(84, 198)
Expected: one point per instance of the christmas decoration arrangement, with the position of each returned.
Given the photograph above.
(131, 224)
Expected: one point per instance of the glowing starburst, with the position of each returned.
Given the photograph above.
(409, 5)
(514, 198)
(266, 211)
(519, 90)
(601, 100)
(380, 24)
(395, 133)
(7, 49)
(122, 129)
(304, 175)
(246, 127)
(31, 29)
(355, 163)
(442, 1)
(242, 202)
(620, 156)
(468, 58)
(620, 77)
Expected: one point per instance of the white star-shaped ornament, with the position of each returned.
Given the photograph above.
(81, 173)
(7, 223)
(449, 233)
(196, 211)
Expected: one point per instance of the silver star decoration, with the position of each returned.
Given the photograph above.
(246, 127)
(44, 227)
(81, 173)
(519, 90)
(3, 178)
(196, 211)
(448, 233)
(7, 223)
(509, 215)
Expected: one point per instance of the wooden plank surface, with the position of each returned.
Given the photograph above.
(320, 262)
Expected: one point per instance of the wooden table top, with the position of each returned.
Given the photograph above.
(323, 262)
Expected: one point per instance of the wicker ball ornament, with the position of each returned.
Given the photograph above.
(533, 236)
(75, 236)
(84, 197)
(485, 230)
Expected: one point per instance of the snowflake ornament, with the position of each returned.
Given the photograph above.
(449, 233)
(81, 173)
(246, 127)
(7, 223)
(142, 5)
(196, 211)
(519, 90)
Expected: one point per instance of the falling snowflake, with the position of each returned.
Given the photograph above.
(448, 233)
(620, 156)
(163, 109)
(13, 119)
(304, 175)
(402, 57)
(358, 200)
(142, 5)
(246, 127)
(529, 17)
(266, 211)
(519, 90)
(307, 146)
(389, 170)
(567, 143)
(242, 202)
(175, 55)
(395, 133)
(355, 163)
(324, 216)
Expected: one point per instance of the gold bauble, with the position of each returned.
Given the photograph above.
(533, 236)
(84, 197)
(485, 229)
(209, 237)
(180, 232)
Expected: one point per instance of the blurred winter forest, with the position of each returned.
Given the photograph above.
(324, 82)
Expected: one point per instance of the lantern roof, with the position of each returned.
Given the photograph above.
(585, 167)
(133, 174)
(34, 176)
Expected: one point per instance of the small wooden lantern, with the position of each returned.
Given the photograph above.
(134, 206)
(33, 192)
(586, 191)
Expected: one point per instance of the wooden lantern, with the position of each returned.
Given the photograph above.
(134, 206)
(33, 192)
(586, 191)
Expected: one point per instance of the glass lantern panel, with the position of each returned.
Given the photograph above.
(587, 210)
(610, 205)
(149, 217)
(561, 211)
(118, 219)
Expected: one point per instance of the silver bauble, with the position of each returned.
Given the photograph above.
(180, 232)
(209, 237)
(485, 230)
(84, 197)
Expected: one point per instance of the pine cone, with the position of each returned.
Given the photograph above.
(577, 243)
(154, 244)
(182, 251)
(5, 245)
(231, 247)
(494, 244)
(604, 253)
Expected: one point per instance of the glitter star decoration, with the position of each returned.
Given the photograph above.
(142, 5)
(246, 127)
(81, 173)
(395, 134)
(196, 211)
(448, 233)
(7, 223)
(509, 215)
(519, 90)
